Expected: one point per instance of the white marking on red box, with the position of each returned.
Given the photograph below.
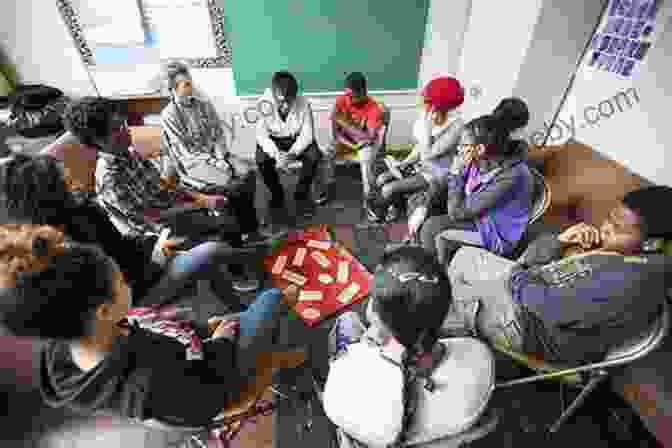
(321, 259)
(343, 273)
(325, 279)
(279, 265)
(299, 256)
(348, 293)
(310, 296)
(321, 245)
(294, 278)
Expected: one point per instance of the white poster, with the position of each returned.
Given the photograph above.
(625, 36)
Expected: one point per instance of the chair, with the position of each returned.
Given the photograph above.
(541, 196)
(587, 377)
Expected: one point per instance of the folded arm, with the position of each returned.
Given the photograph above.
(446, 143)
(461, 208)
(307, 134)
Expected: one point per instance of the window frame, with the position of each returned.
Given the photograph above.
(222, 60)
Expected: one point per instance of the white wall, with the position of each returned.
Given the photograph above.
(444, 37)
(495, 44)
(37, 42)
(637, 136)
(559, 38)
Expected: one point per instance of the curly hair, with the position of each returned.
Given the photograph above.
(51, 287)
(89, 118)
(34, 190)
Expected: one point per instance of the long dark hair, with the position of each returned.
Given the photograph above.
(51, 287)
(33, 190)
(494, 130)
(412, 296)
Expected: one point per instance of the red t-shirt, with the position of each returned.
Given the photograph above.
(369, 113)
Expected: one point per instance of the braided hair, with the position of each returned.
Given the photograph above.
(412, 296)
(33, 190)
(51, 287)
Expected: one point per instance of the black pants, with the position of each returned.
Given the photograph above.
(466, 234)
(241, 196)
(310, 159)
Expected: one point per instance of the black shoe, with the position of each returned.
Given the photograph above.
(372, 214)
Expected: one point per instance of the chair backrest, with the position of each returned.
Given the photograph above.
(642, 344)
(541, 196)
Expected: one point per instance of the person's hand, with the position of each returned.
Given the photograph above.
(168, 183)
(281, 161)
(581, 234)
(290, 295)
(471, 154)
(200, 200)
(168, 248)
(223, 328)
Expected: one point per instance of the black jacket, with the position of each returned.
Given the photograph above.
(146, 376)
(88, 223)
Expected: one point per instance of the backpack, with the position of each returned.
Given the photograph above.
(37, 110)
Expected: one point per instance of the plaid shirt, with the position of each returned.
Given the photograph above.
(126, 187)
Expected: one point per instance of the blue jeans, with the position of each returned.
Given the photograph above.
(203, 262)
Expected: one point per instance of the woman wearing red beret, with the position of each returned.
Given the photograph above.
(437, 133)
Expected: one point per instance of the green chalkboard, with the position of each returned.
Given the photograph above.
(320, 41)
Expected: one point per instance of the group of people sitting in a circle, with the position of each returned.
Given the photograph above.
(74, 265)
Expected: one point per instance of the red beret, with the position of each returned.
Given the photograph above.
(444, 93)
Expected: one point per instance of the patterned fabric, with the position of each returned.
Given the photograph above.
(192, 137)
(126, 187)
(160, 322)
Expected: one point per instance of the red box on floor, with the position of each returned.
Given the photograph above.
(334, 299)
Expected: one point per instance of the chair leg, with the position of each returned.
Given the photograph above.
(592, 384)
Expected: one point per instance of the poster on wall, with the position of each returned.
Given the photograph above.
(624, 37)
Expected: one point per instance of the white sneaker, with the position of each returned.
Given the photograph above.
(245, 285)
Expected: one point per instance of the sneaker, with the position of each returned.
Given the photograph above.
(244, 285)
(322, 198)
(372, 216)
(255, 239)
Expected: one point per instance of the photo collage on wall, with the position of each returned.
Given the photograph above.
(625, 37)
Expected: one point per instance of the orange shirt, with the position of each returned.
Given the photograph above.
(368, 114)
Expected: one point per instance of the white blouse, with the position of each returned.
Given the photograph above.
(299, 124)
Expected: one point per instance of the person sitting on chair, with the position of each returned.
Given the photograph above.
(127, 185)
(437, 133)
(36, 193)
(286, 133)
(195, 153)
(571, 296)
(384, 381)
(357, 121)
(97, 358)
(489, 194)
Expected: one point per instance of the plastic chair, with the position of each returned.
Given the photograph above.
(587, 377)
